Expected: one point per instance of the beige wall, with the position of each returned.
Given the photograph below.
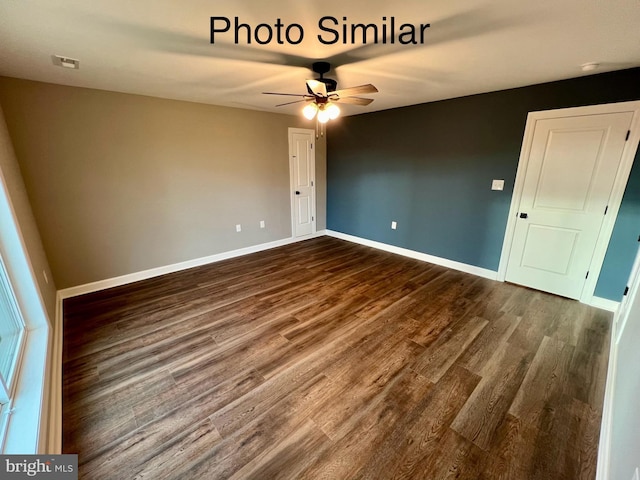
(122, 183)
(321, 179)
(18, 198)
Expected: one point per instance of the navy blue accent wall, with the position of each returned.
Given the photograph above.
(623, 246)
(429, 167)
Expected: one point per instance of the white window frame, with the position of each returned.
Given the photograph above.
(25, 427)
(8, 385)
(7, 389)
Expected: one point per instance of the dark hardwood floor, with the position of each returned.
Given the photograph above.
(329, 360)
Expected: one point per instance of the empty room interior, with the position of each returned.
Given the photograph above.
(306, 240)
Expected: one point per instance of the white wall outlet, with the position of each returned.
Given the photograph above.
(497, 185)
(238, 228)
(394, 225)
(261, 223)
(44, 274)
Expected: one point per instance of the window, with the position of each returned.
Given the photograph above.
(12, 335)
(25, 347)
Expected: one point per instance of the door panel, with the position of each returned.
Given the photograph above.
(539, 256)
(571, 169)
(303, 190)
(304, 208)
(561, 162)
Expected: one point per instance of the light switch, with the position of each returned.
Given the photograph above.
(497, 185)
(394, 225)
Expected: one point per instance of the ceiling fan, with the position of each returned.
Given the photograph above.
(322, 95)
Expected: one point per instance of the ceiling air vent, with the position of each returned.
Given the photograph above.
(66, 62)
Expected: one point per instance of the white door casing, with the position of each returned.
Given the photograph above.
(633, 285)
(573, 168)
(302, 175)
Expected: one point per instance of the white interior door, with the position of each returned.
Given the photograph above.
(302, 171)
(571, 169)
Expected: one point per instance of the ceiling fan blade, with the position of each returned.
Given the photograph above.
(291, 103)
(317, 88)
(354, 100)
(359, 90)
(286, 94)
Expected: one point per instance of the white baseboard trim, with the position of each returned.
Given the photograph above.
(463, 267)
(604, 444)
(604, 304)
(176, 267)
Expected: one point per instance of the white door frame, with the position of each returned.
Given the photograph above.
(292, 196)
(619, 185)
(633, 286)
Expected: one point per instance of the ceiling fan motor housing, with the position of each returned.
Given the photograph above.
(330, 83)
(321, 68)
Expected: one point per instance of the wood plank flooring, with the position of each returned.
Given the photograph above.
(329, 360)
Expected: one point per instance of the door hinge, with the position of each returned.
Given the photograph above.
(587, 275)
(312, 146)
(606, 209)
(312, 219)
(628, 134)
(626, 290)
(312, 183)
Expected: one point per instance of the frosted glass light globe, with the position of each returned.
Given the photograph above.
(323, 116)
(309, 111)
(333, 111)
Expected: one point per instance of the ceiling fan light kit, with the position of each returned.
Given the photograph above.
(325, 111)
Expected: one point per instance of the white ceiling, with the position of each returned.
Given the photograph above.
(161, 47)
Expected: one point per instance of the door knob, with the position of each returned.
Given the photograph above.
(523, 215)
(297, 192)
